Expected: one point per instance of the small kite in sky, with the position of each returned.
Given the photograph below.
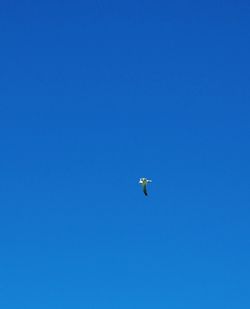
(144, 182)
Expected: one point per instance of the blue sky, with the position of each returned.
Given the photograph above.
(94, 95)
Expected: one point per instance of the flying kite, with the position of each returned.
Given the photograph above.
(144, 182)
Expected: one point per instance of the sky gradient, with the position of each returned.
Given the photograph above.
(95, 95)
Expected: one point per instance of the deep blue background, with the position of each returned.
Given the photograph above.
(95, 95)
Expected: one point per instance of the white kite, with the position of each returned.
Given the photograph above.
(144, 182)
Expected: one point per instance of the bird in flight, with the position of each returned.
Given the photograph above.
(144, 182)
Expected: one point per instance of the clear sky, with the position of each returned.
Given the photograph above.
(93, 96)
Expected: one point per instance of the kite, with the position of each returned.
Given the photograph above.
(144, 182)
